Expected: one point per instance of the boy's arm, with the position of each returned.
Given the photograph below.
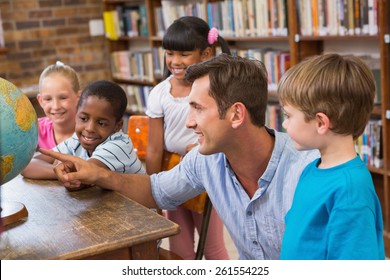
(40, 167)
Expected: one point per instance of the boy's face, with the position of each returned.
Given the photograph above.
(95, 121)
(302, 132)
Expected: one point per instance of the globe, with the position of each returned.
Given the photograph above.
(18, 131)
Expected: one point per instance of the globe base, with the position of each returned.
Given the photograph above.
(12, 212)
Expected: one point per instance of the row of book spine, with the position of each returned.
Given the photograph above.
(158, 60)
(144, 66)
(132, 65)
(276, 61)
(170, 10)
(125, 20)
(370, 145)
(274, 117)
(337, 17)
(137, 97)
(249, 18)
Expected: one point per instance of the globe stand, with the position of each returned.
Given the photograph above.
(12, 212)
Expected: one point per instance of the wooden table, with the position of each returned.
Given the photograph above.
(89, 224)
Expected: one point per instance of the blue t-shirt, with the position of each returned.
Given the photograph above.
(335, 214)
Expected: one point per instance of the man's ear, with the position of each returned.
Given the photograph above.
(206, 54)
(238, 114)
(323, 123)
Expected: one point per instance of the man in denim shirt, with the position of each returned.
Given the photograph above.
(249, 171)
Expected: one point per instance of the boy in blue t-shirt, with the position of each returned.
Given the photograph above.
(335, 214)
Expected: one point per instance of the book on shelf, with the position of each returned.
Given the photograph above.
(342, 31)
(132, 19)
(282, 29)
(158, 61)
(132, 104)
(357, 17)
(372, 17)
(137, 95)
(251, 13)
(143, 24)
(245, 17)
(351, 18)
(159, 22)
(261, 18)
(111, 25)
(364, 16)
(2, 43)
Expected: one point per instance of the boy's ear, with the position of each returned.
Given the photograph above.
(323, 123)
(118, 125)
(206, 54)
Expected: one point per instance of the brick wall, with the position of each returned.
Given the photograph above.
(39, 32)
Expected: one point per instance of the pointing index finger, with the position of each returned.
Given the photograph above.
(56, 155)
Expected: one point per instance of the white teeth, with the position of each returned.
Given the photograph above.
(177, 71)
(88, 138)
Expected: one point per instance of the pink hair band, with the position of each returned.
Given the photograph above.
(212, 36)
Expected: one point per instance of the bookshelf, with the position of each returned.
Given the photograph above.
(292, 26)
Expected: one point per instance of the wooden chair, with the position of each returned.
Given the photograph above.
(138, 131)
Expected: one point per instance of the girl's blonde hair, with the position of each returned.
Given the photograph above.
(64, 70)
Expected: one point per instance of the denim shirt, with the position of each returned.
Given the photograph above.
(255, 225)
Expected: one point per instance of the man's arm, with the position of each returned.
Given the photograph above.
(75, 170)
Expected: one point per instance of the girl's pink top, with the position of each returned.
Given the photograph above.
(46, 133)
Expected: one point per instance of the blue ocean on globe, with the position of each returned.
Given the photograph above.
(18, 131)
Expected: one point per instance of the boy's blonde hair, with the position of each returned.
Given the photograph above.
(341, 87)
(64, 70)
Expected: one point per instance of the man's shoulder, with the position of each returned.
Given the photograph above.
(285, 145)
